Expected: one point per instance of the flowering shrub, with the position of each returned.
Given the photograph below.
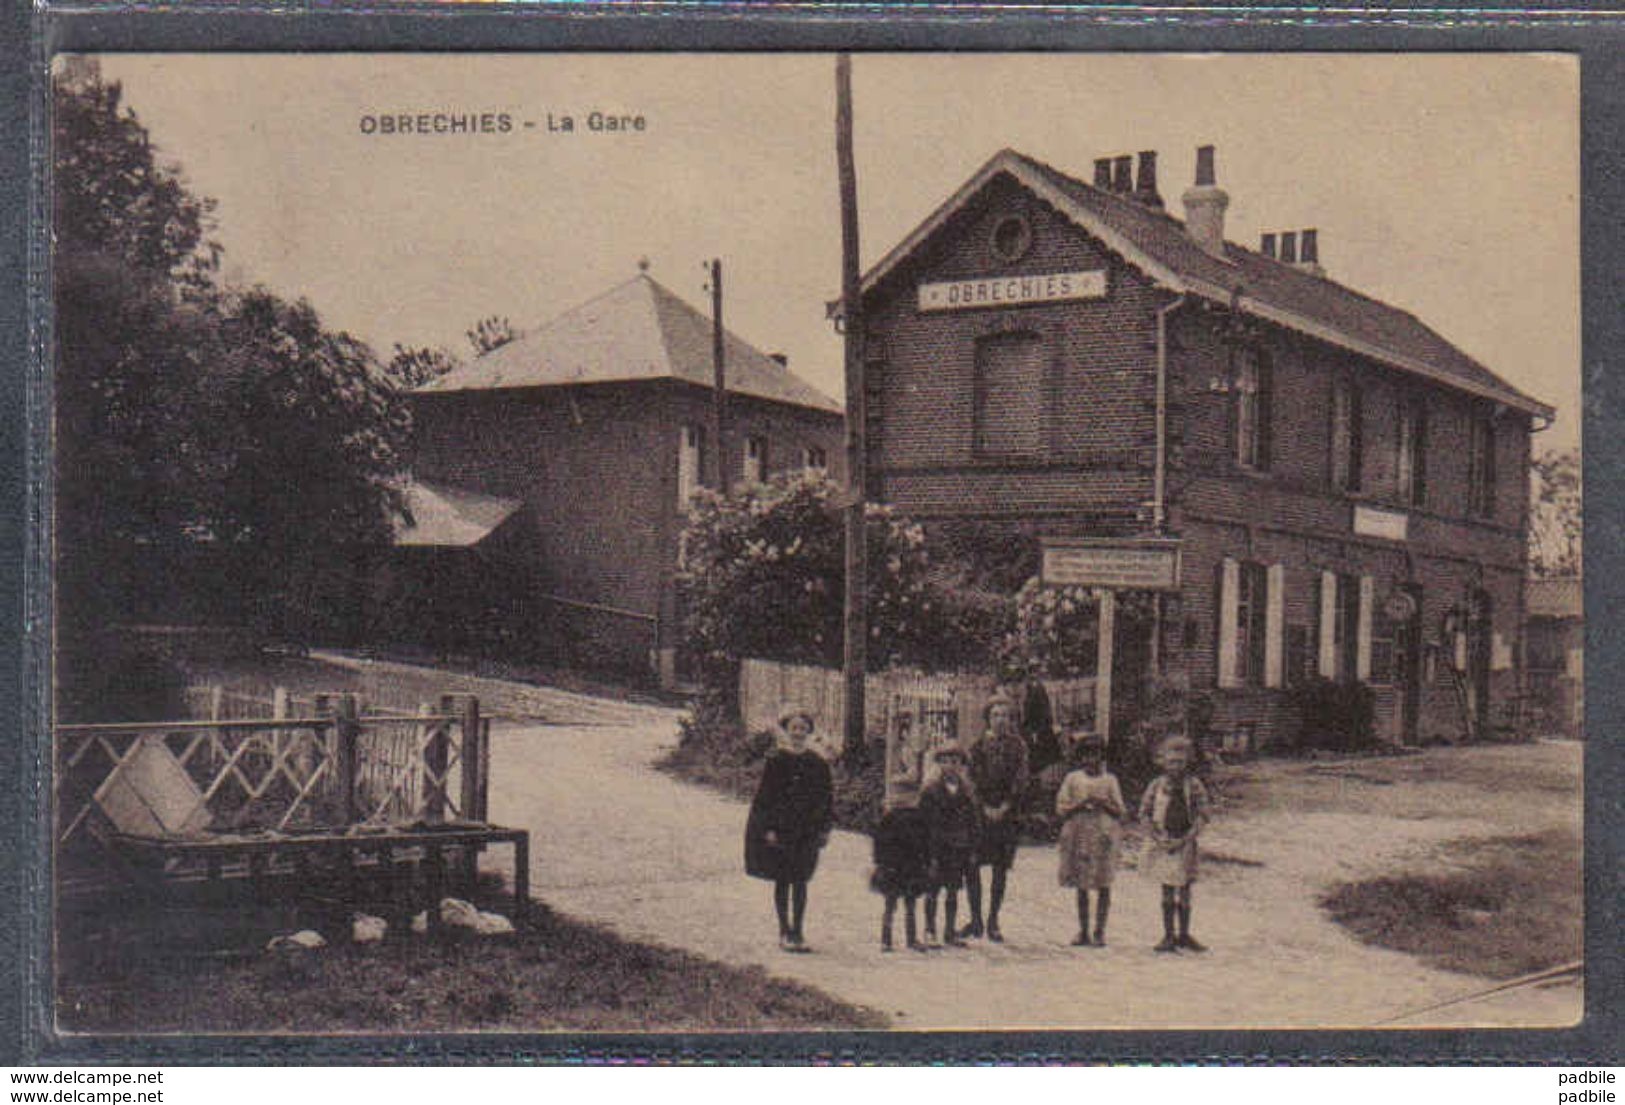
(1057, 629)
(764, 576)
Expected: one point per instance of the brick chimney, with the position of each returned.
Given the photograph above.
(1145, 187)
(1103, 173)
(1205, 204)
(1266, 245)
(1309, 252)
(1123, 174)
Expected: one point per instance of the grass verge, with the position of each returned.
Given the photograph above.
(1508, 906)
(555, 974)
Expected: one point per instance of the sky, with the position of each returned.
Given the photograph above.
(1443, 184)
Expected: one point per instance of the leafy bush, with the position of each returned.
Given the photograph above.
(1335, 717)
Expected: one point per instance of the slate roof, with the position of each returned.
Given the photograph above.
(450, 517)
(638, 330)
(1559, 597)
(1157, 243)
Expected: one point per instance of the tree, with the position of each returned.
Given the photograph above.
(1555, 522)
(491, 333)
(209, 442)
(412, 367)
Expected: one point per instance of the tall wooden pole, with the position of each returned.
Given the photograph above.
(857, 582)
(719, 364)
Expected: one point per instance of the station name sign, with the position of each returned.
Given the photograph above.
(1134, 566)
(1371, 522)
(1010, 291)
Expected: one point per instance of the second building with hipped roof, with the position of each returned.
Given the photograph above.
(598, 427)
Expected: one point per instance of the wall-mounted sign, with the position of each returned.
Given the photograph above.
(1371, 522)
(1125, 565)
(1011, 291)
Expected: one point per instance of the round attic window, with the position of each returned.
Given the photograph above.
(1012, 237)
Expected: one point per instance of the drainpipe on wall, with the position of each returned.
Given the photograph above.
(1159, 479)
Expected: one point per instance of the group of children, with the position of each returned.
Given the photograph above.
(932, 848)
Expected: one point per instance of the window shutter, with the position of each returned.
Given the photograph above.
(1266, 411)
(1229, 602)
(1232, 406)
(1328, 625)
(1356, 437)
(1274, 625)
(1419, 460)
(1362, 635)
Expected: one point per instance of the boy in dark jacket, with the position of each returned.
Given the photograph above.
(953, 823)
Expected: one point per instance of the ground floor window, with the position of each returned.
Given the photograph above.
(1250, 644)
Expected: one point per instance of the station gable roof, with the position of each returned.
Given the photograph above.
(1159, 245)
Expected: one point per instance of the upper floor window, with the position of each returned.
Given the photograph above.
(1252, 411)
(690, 463)
(1347, 444)
(1012, 396)
(756, 459)
(1410, 462)
(815, 459)
(1481, 465)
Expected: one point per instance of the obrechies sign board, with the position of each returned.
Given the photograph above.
(1012, 291)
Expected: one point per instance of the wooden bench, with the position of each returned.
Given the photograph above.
(155, 860)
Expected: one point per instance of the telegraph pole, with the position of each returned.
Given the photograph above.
(719, 408)
(855, 658)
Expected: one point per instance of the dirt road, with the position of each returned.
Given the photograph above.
(616, 841)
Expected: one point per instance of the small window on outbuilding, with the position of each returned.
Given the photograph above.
(814, 458)
(690, 463)
(755, 459)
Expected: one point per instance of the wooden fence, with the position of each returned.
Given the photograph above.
(257, 765)
(946, 705)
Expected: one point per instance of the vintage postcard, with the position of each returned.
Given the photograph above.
(698, 543)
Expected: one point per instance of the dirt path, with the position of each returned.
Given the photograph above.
(620, 843)
(617, 842)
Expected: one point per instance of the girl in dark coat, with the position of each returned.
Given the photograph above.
(789, 823)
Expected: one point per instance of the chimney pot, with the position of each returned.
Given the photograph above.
(1145, 188)
(1309, 254)
(1289, 247)
(1266, 245)
(1123, 174)
(1204, 166)
(1103, 173)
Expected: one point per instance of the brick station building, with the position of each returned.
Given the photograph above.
(1310, 481)
(557, 469)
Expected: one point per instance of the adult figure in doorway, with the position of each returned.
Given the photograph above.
(998, 772)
